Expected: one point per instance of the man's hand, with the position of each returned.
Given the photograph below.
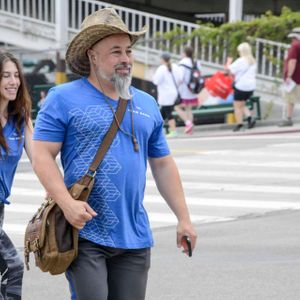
(186, 229)
(78, 213)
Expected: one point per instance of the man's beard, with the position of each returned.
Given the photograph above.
(121, 82)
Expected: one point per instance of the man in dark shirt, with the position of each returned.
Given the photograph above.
(292, 77)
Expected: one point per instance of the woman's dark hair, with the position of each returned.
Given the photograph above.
(189, 51)
(20, 108)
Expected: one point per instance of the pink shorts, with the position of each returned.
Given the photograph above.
(192, 102)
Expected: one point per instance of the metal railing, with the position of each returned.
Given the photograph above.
(270, 55)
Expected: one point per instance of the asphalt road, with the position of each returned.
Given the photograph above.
(243, 194)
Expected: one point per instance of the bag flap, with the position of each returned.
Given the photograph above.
(36, 227)
(76, 190)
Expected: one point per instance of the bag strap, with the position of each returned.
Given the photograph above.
(174, 81)
(107, 140)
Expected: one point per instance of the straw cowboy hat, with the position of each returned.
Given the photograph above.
(94, 28)
(295, 33)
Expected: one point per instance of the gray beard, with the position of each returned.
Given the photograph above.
(121, 83)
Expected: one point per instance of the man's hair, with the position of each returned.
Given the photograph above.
(189, 51)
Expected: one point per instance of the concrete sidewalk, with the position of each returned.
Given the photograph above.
(262, 127)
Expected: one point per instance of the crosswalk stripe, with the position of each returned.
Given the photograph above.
(204, 161)
(227, 187)
(194, 186)
(191, 201)
(170, 218)
(155, 220)
(270, 153)
(215, 202)
(202, 173)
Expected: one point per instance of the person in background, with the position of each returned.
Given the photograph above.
(189, 99)
(15, 134)
(244, 71)
(167, 79)
(292, 77)
(115, 238)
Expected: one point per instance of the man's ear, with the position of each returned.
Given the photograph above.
(91, 56)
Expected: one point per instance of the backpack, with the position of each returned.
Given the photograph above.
(196, 81)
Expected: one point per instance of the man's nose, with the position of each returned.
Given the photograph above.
(125, 57)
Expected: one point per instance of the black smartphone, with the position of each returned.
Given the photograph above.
(189, 245)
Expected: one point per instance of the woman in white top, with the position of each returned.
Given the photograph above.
(244, 71)
(167, 78)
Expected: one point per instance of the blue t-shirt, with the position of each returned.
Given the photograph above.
(9, 160)
(78, 115)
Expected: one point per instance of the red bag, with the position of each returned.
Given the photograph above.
(219, 85)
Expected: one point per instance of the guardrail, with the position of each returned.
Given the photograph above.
(270, 55)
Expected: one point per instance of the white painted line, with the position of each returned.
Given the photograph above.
(21, 208)
(170, 218)
(277, 136)
(17, 191)
(227, 187)
(214, 202)
(14, 228)
(195, 186)
(200, 173)
(204, 173)
(268, 153)
(204, 161)
(26, 176)
(156, 220)
(191, 201)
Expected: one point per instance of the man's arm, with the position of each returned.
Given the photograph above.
(291, 68)
(168, 182)
(44, 165)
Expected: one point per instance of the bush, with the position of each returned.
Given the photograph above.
(268, 26)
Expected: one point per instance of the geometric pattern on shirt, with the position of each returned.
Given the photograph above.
(91, 126)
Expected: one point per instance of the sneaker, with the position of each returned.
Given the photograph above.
(239, 127)
(251, 124)
(172, 134)
(286, 122)
(189, 128)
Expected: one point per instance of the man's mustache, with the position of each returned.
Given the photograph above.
(122, 66)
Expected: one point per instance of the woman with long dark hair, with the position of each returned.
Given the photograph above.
(15, 134)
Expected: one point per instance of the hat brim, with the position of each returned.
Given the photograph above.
(76, 55)
(294, 35)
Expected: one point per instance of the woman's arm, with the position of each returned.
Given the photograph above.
(28, 139)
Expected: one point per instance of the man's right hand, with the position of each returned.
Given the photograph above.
(78, 213)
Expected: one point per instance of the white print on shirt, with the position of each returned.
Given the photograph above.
(139, 113)
(15, 137)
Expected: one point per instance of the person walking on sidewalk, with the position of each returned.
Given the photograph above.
(188, 98)
(15, 134)
(114, 231)
(167, 78)
(244, 71)
(291, 88)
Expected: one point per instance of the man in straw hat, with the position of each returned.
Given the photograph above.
(115, 236)
(291, 88)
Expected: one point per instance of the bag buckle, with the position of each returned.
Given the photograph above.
(91, 174)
